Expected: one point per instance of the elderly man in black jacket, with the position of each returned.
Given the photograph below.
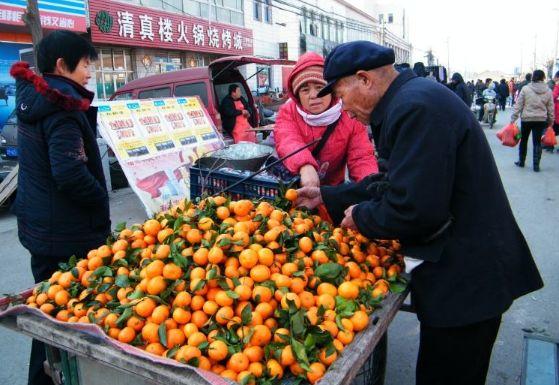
(442, 196)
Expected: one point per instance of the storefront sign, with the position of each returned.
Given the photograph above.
(156, 141)
(113, 22)
(59, 14)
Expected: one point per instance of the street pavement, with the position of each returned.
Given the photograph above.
(533, 197)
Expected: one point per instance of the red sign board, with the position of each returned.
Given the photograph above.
(117, 23)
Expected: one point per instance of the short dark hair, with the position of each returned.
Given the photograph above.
(233, 88)
(556, 74)
(528, 77)
(65, 45)
(538, 76)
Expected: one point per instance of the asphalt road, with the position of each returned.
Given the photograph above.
(533, 197)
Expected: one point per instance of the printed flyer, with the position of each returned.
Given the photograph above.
(156, 141)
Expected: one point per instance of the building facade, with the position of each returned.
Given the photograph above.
(159, 36)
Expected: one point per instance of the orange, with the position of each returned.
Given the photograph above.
(47, 308)
(156, 285)
(261, 336)
(162, 251)
(66, 279)
(291, 195)
(204, 363)
(151, 227)
(244, 292)
(164, 234)
(327, 288)
(327, 360)
(248, 258)
(194, 236)
(150, 332)
(205, 224)
(297, 285)
(348, 290)
(242, 378)
(316, 372)
(330, 327)
(119, 245)
(238, 362)
(155, 268)
(135, 323)
(197, 302)
(155, 348)
(182, 299)
(256, 368)
(282, 280)
(210, 308)
(305, 245)
(265, 256)
(243, 207)
(359, 320)
(326, 300)
(230, 374)
(289, 268)
(63, 315)
(260, 273)
(196, 338)
(223, 299)
(52, 290)
(215, 255)
(160, 314)
(222, 212)
(345, 336)
(261, 294)
(256, 319)
(199, 318)
(62, 297)
(291, 297)
(274, 368)
(241, 237)
(175, 337)
(181, 316)
(224, 314)
(127, 335)
(265, 309)
(287, 357)
(217, 350)
(187, 352)
(254, 353)
(200, 257)
(172, 271)
(189, 329)
(145, 307)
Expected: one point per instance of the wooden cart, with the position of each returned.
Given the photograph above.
(83, 359)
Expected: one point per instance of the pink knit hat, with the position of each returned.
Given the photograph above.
(309, 74)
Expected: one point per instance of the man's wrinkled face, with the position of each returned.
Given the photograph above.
(357, 98)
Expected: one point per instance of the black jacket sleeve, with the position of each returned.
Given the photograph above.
(416, 202)
(68, 164)
(228, 107)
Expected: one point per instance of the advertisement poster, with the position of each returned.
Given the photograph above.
(156, 141)
(9, 54)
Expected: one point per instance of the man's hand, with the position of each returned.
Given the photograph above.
(309, 176)
(245, 113)
(308, 197)
(348, 219)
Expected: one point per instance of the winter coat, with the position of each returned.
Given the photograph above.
(556, 102)
(62, 205)
(534, 104)
(460, 89)
(229, 113)
(348, 145)
(503, 90)
(440, 170)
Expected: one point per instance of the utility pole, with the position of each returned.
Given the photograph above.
(32, 20)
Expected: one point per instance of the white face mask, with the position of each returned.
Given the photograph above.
(323, 119)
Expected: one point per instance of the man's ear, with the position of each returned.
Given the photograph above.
(60, 68)
(365, 78)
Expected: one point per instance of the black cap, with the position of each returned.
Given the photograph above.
(348, 58)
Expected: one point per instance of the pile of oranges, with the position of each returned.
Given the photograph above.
(240, 288)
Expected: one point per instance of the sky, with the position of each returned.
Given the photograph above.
(484, 35)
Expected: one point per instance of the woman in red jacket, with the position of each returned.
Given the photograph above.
(305, 118)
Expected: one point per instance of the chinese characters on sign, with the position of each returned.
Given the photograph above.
(8, 15)
(166, 31)
(69, 14)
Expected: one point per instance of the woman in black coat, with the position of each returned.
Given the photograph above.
(459, 87)
(503, 93)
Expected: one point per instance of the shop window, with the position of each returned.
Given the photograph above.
(191, 7)
(381, 18)
(390, 18)
(155, 93)
(223, 15)
(237, 18)
(257, 10)
(268, 11)
(113, 71)
(172, 5)
(193, 89)
(123, 96)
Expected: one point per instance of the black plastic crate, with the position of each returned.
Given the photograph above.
(202, 183)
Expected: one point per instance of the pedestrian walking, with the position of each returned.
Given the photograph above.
(62, 205)
(556, 103)
(305, 117)
(459, 87)
(446, 206)
(512, 91)
(536, 111)
(471, 90)
(527, 80)
(503, 93)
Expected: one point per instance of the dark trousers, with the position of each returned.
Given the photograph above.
(42, 268)
(503, 103)
(457, 355)
(537, 129)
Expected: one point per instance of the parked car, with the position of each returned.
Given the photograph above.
(8, 138)
(210, 83)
